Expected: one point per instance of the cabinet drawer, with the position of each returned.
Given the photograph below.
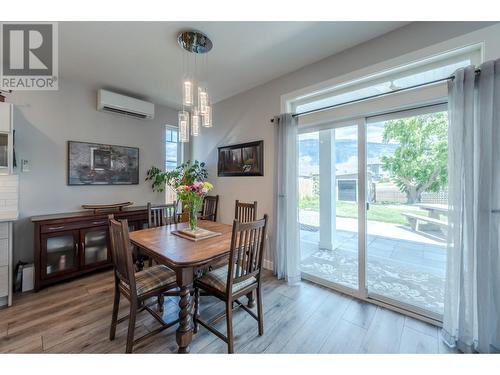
(4, 252)
(4, 230)
(48, 228)
(4, 281)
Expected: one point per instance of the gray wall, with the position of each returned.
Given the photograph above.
(44, 122)
(245, 117)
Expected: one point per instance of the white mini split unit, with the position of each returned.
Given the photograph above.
(108, 101)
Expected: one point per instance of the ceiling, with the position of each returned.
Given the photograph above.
(143, 59)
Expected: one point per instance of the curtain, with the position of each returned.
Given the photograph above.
(286, 256)
(472, 297)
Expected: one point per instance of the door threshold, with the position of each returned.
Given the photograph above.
(376, 300)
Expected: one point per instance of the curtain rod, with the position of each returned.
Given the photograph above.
(477, 71)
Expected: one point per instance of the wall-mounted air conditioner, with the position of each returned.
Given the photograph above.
(108, 101)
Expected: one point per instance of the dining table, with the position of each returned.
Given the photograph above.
(186, 257)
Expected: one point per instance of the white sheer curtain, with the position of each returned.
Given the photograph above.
(472, 299)
(286, 255)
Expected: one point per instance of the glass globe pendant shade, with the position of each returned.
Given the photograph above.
(195, 122)
(202, 99)
(187, 93)
(207, 117)
(183, 126)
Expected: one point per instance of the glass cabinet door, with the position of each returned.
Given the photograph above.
(94, 244)
(60, 253)
(4, 151)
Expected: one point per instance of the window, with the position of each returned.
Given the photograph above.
(171, 149)
(430, 69)
(173, 157)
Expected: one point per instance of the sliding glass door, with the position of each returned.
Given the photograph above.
(373, 208)
(406, 175)
(329, 205)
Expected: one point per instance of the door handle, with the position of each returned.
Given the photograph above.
(367, 206)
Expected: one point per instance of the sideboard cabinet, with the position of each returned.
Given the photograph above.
(73, 244)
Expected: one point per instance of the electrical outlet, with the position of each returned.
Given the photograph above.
(25, 165)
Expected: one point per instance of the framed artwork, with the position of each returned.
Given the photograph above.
(99, 164)
(245, 159)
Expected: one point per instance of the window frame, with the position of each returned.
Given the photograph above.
(370, 76)
(170, 195)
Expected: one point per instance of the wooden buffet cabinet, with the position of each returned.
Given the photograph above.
(72, 244)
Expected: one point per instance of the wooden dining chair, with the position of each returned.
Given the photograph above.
(161, 214)
(209, 208)
(245, 212)
(137, 287)
(238, 278)
(158, 215)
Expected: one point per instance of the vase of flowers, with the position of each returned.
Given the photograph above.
(188, 180)
(191, 196)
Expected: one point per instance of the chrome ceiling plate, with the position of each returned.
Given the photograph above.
(194, 41)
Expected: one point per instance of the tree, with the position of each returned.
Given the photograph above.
(419, 164)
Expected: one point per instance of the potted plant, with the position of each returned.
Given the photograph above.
(189, 181)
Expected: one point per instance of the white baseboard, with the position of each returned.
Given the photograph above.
(267, 264)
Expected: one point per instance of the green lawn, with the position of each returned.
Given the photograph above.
(378, 212)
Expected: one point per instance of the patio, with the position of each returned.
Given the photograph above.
(403, 265)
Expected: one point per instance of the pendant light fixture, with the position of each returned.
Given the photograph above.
(196, 108)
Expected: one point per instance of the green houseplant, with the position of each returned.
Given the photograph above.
(189, 181)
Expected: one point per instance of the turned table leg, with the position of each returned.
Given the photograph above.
(184, 333)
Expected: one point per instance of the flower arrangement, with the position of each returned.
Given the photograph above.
(191, 197)
(188, 180)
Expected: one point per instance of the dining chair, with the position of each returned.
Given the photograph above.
(245, 212)
(158, 215)
(238, 278)
(137, 287)
(161, 214)
(209, 208)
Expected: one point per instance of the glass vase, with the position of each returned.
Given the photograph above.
(193, 218)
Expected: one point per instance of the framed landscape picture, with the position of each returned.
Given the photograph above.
(99, 164)
(245, 159)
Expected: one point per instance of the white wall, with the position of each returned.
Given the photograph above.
(44, 121)
(245, 117)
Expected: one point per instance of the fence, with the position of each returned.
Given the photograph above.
(388, 193)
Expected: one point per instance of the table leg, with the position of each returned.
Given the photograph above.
(184, 333)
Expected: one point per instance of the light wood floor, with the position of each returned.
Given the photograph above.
(74, 317)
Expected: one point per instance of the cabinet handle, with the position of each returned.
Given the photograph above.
(82, 246)
(77, 247)
(56, 228)
(98, 222)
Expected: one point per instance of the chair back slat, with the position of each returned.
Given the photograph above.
(245, 212)
(162, 214)
(120, 252)
(247, 250)
(209, 208)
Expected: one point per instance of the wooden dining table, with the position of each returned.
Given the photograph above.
(185, 257)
